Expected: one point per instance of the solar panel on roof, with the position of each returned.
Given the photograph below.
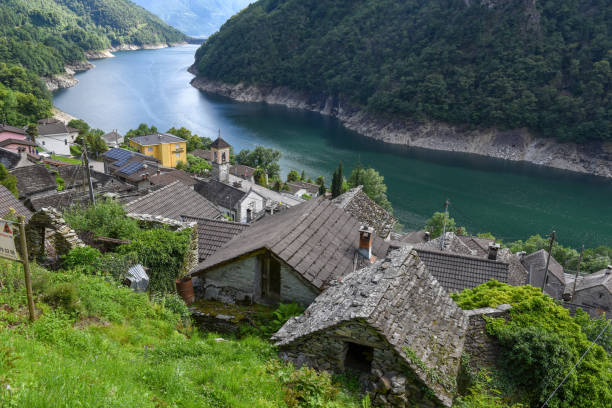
(131, 168)
(121, 162)
(118, 154)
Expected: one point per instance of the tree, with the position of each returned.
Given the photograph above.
(320, 180)
(260, 176)
(197, 165)
(373, 184)
(337, 182)
(322, 189)
(263, 158)
(293, 176)
(435, 225)
(303, 176)
(95, 144)
(142, 130)
(194, 141)
(8, 180)
(32, 131)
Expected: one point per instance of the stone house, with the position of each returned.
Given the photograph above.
(163, 179)
(55, 136)
(392, 323)
(362, 207)
(9, 204)
(301, 188)
(214, 233)
(113, 138)
(239, 205)
(592, 292)
(535, 264)
(244, 172)
(174, 201)
(289, 257)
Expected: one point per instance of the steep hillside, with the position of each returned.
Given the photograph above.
(44, 37)
(485, 63)
(197, 18)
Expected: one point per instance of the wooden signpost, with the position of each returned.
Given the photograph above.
(9, 251)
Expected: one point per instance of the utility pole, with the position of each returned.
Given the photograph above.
(26, 266)
(577, 272)
(92, 198)
(446, 204)
(552, 241)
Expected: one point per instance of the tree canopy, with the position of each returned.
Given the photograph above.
(508, 64)
(263, 158)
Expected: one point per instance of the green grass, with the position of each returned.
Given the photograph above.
(96, 344)
(65, 159)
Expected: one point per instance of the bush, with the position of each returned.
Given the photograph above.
(283, 313)
(82, 258)
(105, 218)
(63, 295)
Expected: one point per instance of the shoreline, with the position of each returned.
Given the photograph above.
(594, 158)
(68, 80)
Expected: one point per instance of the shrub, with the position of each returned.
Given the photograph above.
(105, 218)
(63, 295)
(82, 258)
(283, 313)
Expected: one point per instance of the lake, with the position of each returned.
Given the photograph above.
(511, 200)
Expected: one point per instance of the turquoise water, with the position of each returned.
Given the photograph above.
(511, 200)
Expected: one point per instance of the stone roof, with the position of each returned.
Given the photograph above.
(58, 200)
(537, 262)
(240, 170)
(156, 138)
(599, 278)
(22, 142)
(8, 201)
(220, 193)
(366, 210)
(33, 179)
(220, 144)
(458, 272)
(203, 154)
(54, 128)
(296, 186)
(213, 234)
(399, 298)
(317, 239)
(176, 175)
(9, 159)
(174, 201)
(8, 128)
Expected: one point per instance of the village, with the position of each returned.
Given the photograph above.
(376, 300)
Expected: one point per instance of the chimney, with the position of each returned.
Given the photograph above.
(366, 238)
(493, 248)
(521, 254)
(158, 172)
(427, 236)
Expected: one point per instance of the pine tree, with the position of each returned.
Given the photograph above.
(336, 187)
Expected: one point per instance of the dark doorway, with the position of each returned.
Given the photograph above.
(249, 215)
(359, 358)
(271, 279)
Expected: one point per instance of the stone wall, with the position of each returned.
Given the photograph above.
(49, 236)
(239, 282)
(390, 381)
(482, 348)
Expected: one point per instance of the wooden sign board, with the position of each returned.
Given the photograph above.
(7, 241)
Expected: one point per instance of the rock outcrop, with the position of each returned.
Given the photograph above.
(517, 145)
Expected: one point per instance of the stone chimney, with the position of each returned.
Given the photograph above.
(427, 236)
(158, 172)
(366, 238)
(493, 249)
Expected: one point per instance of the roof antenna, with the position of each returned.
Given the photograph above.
(446, 204)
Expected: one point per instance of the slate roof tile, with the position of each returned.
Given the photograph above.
(33, 179)
(356, 202)
(213, 234)
(8, 201)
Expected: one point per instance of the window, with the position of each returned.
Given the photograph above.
(150, 149)
(178, 155)
(178, 146)
(223, 159)
(358, 358)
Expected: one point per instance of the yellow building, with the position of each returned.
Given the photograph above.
(168, 149)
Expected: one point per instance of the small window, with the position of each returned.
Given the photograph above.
(223, 159)
(358, 358)
(600, 295)
(178, 155)
(150, 149)
(178, 146)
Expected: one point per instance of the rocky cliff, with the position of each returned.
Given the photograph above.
(517, 145)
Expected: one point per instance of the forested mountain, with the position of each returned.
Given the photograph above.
(197, 18)
(37, 38)
(508, 63)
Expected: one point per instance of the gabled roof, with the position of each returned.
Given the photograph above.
(174, 201)
(220, 144)
(220, 193)
(8, 201)
(33, 179)
(54, 128)
(21, 142)
(203, 154)
(599, 278)
(9, 159)
(8, 128)
(240, 170)
(176, 175)
(458, 272)
(213, 234)
(317, 239)
(390, 297)
(156, 138)
(366, 210)
(536, 262)
(296, 186)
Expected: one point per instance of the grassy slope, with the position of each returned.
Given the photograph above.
(113, 348)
